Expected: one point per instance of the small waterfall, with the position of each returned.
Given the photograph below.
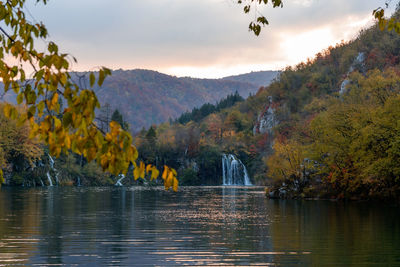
(49, 179)
(233, 171)
(78, 181)
(121, 177)
(51, 161)
(41, 182)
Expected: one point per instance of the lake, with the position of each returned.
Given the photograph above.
(128, 226)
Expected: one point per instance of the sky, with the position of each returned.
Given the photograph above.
(198, 38)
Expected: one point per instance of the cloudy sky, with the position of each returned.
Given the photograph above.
(198, 38)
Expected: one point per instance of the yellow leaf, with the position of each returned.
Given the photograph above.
(114, 125)
(54, 99)
(142, 169)
(67, 141)
(148, 168)
(170, 176)
(175, 184)
(7, 110)
(154, 173)
(136, 173)
(165, 172)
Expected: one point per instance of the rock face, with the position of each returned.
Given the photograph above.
(267, 119)
(358, 63)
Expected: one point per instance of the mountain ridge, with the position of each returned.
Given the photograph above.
(147, 97)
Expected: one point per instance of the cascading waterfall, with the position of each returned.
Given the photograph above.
(41, 182)
(49, 179)
(121, 177)
(51, 160)
(78, 181)
(233, 171)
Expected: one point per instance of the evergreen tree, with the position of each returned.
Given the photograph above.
(117, 117)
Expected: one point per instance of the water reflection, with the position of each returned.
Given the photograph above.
(196, 226)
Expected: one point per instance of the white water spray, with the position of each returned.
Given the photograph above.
(49, 179)
(121, 177)
(51, 161)
(233, 171)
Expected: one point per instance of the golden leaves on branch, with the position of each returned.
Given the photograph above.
(73, 128)
(169, 177)
(169, 174)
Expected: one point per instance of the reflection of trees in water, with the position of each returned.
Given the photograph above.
(101, 225)
(245, 224)
(337, 233)
(18, 211)
(52, 227)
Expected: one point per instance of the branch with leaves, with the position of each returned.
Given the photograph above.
(386, 23)
(260, 20)
(76, 130)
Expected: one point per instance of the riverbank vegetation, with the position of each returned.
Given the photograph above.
(326, 128)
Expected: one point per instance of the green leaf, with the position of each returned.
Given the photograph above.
(20, 98)
(101, 77)
(92, 79)
(67, 119)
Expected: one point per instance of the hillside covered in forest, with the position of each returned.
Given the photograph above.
(328, 127)
(146, 97)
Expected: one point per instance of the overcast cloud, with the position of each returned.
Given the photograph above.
(200, 38)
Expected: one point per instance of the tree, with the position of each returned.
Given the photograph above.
(117, 117)
(17, 150)
(287, 163)
(104, 117)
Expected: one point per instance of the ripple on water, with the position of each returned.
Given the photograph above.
(218, 226)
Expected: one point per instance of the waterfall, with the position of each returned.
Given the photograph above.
(51, 161)
(121, 177)
(233, 171)
(78, 181)
(49, 179)
(41, 182)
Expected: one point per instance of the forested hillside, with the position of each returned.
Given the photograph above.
(328, 127)
(147, 97)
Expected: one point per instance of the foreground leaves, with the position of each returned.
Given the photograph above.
(50, 87)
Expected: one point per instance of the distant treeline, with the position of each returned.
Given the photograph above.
(197, 114)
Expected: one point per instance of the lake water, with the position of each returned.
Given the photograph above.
(196, 226)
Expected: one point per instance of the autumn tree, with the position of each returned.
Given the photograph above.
(17, 150)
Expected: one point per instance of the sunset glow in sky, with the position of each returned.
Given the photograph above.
(207, 38)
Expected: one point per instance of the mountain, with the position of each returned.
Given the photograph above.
(260, 78)
(146, 97)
